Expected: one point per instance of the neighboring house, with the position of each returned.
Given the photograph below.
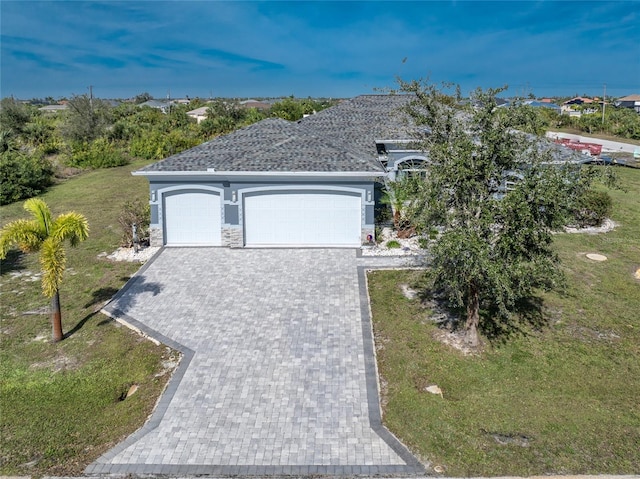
(199, 114)
(277, 183)
(259, 105)
(569, 106)
(532, 103)
(543, 104)
(579, 100)
(163, 105)
(630, 101)
(53, 108)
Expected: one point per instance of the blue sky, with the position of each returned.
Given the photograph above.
(337, 49)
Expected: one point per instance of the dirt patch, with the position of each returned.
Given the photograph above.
(408, 292)
(590, 334)
(36, 312)
(455, 340)
(57, 364)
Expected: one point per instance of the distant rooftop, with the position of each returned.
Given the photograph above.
(634, 97)
(53, 108)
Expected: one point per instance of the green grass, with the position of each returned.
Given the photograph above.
(571, 389)
(60, 404)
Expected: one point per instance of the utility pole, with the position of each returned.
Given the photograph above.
(91, 97)
(604, 97)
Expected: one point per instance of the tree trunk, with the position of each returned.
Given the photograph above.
(473, 317)
(56, 318)
(396, 218)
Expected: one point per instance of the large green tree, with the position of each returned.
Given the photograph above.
(47, 236)
(495, 195)
(86, 118)
(14, 115)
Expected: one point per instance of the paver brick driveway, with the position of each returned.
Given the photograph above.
(278, 375)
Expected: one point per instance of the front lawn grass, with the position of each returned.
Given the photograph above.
(61, 404)
(561, 400)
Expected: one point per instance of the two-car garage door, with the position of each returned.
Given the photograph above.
(302, 219)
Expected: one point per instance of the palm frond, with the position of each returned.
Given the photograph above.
(52, 261)
(25, 234)
(41, 212)
(70, 226)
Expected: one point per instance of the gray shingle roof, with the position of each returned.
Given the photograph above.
(341, 138)
(362, 120)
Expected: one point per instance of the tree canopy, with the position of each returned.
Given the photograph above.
(494, 250)
(86, 118)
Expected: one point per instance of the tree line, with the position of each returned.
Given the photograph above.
(36, 146)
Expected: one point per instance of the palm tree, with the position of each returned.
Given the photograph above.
(47, 236)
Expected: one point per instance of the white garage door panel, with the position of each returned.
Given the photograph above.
(193, 219)
(302, 219)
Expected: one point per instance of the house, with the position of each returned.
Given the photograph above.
(630, 101)
(53, 108)
(531, 103)
(579, 100)
(543, 104)
(259, 105)
(278, 183)
(281, 183)
(163, 105)
(199, 114)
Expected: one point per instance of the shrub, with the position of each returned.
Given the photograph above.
(149, 146)
(592, 208)
(23, 176)
(135, 212)
(98, 154)
(423, 243)
(393, 244)
(157, 145)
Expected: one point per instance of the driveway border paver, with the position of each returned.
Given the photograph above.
(412, 468)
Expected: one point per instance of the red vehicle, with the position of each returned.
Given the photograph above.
(592, 149)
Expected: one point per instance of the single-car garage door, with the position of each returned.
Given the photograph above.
(192, 219)
(302, 219)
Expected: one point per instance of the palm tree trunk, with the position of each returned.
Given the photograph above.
(56, 318)
(473, 317)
